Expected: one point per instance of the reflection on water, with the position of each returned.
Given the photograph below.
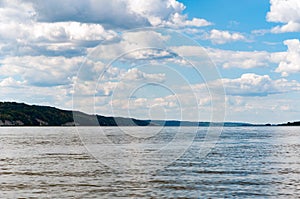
(246, 162)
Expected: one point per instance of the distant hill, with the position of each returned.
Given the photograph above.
(290, 124)
(12, 113)
(20, 114)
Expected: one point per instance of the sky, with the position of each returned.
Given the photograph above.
(217, 60)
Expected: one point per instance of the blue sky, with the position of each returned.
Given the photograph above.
(55, 52)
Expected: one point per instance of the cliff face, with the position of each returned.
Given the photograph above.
(11, 123)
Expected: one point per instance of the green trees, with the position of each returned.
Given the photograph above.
(33, 115)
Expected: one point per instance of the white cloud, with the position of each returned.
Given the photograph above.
(250, 84)
(16, 90)
(17, 11)
(239, 59)
(289, 27)
(41, 70)
(164, 13)
(244, 94)
(116, 13)
(68, 28)
(289, 62)
(287, 12)
(269, 109)
(58, 36)
(143, 44)
(167, 102)
(189, 51)
(147, 108)
(150, 54)
(70, 31)
(10, 82)
(227, 58)
(114, 81)
(126, 83)
(222, 37)
(178, 21)
(284, 11)
(136, 75)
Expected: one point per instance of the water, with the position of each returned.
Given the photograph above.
(247, 162)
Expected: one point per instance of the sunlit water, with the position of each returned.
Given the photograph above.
(247, 162)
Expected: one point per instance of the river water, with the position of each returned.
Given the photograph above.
(59, 162)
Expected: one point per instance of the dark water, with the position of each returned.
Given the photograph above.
(260, 162)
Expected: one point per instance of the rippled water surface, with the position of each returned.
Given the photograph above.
(247, 162)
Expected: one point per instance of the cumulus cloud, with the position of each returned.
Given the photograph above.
(164, 13)
(40, 70)
(137, 45)
(167, 102)
(250, 93)
(251, 84)
(227, 58)
(67, 32)
(57, 37)
(222, 37)
(289, 62)
(114, 80)
(272, 108)
(17, 11)
(124, 84)
(286, 12)
(136, 75)
(11, 82)
(109, 13)
(239, 59)
(116, 13)
(148, 108)
(289, 27)
(57, 96)
(70, 27)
